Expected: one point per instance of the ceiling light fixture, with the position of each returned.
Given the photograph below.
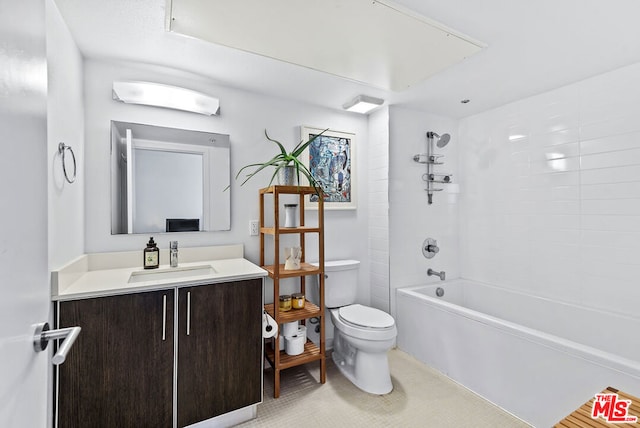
(159, 95)
(363, 104)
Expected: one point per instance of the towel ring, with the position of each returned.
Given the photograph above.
(62, 147)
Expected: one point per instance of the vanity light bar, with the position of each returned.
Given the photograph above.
(159, 95)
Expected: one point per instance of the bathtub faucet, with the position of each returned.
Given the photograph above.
(441, 274)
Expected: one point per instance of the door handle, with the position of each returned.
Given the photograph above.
(43, 335)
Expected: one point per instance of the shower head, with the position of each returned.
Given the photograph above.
(441, 140)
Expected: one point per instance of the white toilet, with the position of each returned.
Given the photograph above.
(362, 335)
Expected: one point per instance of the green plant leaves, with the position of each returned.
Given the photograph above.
(283, 159)
(282, 149)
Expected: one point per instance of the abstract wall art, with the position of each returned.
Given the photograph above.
(331, 160)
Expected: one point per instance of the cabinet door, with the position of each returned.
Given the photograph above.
(119, 373)
(219, 349)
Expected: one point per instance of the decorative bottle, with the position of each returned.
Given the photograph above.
(151, 255)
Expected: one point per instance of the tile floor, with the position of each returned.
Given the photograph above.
(422, 397)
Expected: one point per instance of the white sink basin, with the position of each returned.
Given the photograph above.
(170, 273)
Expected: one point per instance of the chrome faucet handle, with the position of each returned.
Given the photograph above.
(430, 248)
(173, 253)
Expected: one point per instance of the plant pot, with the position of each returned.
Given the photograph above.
(287, 176)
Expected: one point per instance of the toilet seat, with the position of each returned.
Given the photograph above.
(360, 316)
(361, 332)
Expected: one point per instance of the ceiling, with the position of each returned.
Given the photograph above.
(532, 46)
(362, 40)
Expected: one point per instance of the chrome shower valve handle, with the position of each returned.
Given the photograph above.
(430, 248)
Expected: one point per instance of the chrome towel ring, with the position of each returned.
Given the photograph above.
(62, 148)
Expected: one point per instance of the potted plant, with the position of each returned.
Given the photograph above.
(287, 165)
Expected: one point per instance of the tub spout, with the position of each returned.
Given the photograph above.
(441, 274)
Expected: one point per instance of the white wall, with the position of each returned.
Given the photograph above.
(551, 193)
(244, 116)
(379, 208)
(65, 111)
(412, 219)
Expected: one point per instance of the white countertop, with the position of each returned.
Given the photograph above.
(78, 280)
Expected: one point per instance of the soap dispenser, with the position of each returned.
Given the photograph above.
(151, 255)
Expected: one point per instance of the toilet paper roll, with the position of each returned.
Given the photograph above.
(269, 326)
(290, 328)
(294, 345)
(302, 332)
(273, 343)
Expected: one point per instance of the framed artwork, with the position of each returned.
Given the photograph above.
(331, 160)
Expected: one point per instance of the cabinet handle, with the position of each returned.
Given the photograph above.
(164, 317)
(188, 312)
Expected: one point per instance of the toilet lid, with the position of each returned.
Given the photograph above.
(365, 316)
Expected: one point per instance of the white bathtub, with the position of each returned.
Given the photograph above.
(536, 358)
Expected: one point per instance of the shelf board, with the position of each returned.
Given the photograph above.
(305, 269)
(309, 311)
(283, 230)
(311, 353)
(293, 190)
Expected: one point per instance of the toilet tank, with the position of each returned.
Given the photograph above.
(341, 282)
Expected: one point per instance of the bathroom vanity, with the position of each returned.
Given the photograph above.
(162, 348)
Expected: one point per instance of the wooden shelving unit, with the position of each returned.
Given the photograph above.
(279, 360)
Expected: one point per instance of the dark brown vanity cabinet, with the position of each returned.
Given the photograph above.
(219, 351)
(120, 371)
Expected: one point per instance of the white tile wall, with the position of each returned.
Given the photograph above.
(378, 209)
(555, 209)
(412, 219)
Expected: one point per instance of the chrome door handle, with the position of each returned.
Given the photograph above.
(43, 335)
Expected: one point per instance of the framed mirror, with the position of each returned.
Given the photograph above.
(168, 179)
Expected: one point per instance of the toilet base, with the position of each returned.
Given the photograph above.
(368, 371)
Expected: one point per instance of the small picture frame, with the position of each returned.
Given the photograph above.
(331, 159)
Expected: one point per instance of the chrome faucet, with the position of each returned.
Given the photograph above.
(173, 253)
(441, 274)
